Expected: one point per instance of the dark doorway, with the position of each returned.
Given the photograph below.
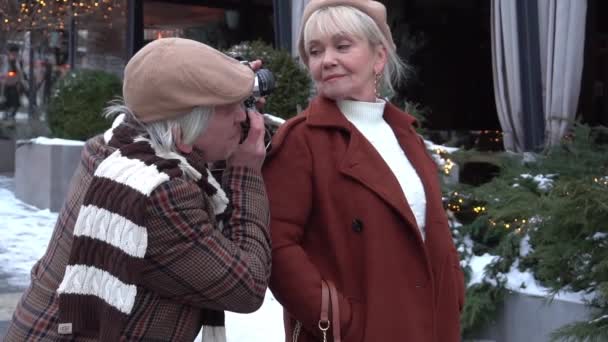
(593, 103)
(452, 63)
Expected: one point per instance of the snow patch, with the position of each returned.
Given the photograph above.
(431, 146)
(522, 281)
(598, 319)
(525, 283)
(524, 246)
(52, 141)
(544, 182)
(26, 231)
(478, 265)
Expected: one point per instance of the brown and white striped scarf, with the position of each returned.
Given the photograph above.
(101, 282)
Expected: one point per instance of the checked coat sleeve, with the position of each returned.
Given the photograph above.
(191, 260)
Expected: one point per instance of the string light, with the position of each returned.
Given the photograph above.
(51, 14)
(494, 136)
(448, 164)
(463, 204)
(601, 181)
(479, 210)
(518, 226)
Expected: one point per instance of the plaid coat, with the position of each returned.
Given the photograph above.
(190, 265)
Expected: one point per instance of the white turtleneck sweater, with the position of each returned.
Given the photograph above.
(368, 118)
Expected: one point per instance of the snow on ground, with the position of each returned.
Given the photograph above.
(24, 234)
(25, 231)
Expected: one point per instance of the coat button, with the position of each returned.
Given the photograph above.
(419, 285)
(357, 225)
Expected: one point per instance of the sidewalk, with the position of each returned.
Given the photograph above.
(24, 232)
(8, 301)
(9, 296)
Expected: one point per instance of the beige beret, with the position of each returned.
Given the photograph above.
(171, 76)
(374, 9)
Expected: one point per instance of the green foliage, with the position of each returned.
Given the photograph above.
(559, 200)
(77, 102)
(420, 112)
(595, 330)
(481, 305)
(570, 238)
(293, 84)
(567, 250)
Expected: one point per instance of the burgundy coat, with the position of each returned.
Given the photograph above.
(338, 213)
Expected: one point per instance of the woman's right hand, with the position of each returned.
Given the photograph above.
(251, 152)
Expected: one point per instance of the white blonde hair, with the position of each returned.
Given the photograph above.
(162, 132)
(348, 20)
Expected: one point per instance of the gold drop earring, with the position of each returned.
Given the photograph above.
(376, 80)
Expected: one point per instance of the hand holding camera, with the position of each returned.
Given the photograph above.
(252, 149)
(264, 84)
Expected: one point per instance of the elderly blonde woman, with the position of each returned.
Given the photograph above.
(361, 245)
(148, 245)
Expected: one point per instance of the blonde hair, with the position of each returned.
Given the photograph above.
(329, 21)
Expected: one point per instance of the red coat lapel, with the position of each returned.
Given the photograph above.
(362, 162)
(416, 152)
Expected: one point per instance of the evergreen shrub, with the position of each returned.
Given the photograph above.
(76, 104)
(420, 112)
(546, 215)
(292, 81)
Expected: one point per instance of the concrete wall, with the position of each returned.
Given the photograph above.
(524, 318)
(43, 173)
(7, 155)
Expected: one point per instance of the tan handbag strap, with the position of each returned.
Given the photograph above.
(335, 310)
(329, 301)
(324, 319)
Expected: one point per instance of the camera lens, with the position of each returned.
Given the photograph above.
(265, 82)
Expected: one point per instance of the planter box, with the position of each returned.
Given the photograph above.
(7, 155)
(43, 171)
(529, 318)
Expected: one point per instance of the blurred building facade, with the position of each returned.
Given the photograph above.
(449, 44)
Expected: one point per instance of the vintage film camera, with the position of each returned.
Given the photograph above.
(264, 84)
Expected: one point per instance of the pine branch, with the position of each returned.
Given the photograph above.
(595, 330)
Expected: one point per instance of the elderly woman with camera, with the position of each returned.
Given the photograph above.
(149, 246)
(362, 250)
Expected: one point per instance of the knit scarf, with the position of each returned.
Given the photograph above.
(102, 281)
